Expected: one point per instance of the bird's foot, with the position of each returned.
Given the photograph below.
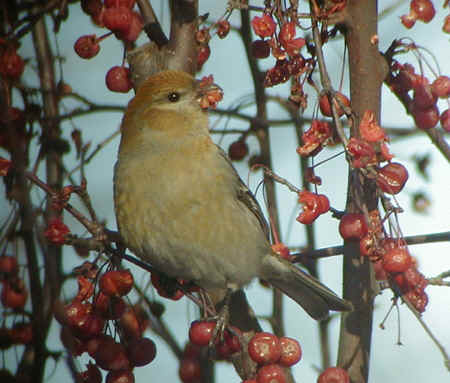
(222, 320)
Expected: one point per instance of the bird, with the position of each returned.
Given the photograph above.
(181, 206)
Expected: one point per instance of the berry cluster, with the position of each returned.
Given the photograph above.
(13, 296)
(423, 103)
(362, 150)
(390, 257)
(280, 39)
(203, 36)
(86, 317)
(201, 333)
(201, 336)
(394, 263)
(272, 355)
(125, 23)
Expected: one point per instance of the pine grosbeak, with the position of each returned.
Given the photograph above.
(181, 206)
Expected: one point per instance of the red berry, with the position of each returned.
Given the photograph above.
(116, 282)
(166, 287)
(411, 279)
(132, 33)
(14, 294)
(73, 344)
(97, 17)
(271, 373)
(190, 370)
(367, 246)
(11, 64)
(325, 106)
(119, 3)
(203, 52)
(134, 321)
(408, 21)
(89, 326)
(445, 120)
(202, 36)
(334, 375)
(397, 260)
(87, 46)
(392, 177)
(238, 150)
(423, 9)
(117, 19)
(278, 74)
(122, 376)
(291, 352)
(406, 78)
(118, 79)
(229, 345)
(200, 332)
(446, 26)
(426, 118)
(353, 226)
(191, 350)
(103, 340)
(111, 356)
(380, 274)
(260, 49)
(110, 307)
(57, 232)
(288, 42)
(91, 7)
(312, 206)
(424, 97)
(324, 203)
(223, 352)
(264, 26)
(232, 340)
(264, 348)
(141, 351)
(223, 27)
(287, 32)
(8, 265)
(418, 298)
(369, 128)
(22, 333)
(441, 87)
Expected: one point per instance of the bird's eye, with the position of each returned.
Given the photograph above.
(173, 97)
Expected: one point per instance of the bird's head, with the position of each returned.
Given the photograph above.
(168, 105)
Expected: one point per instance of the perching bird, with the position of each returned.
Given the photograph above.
(181, 206)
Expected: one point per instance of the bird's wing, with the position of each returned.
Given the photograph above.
(244, 195)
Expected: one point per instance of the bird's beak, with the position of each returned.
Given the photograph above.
(208, 93)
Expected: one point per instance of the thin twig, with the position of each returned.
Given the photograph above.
(430, 334)
(339, 250)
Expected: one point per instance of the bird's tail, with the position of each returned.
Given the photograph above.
(315, 298)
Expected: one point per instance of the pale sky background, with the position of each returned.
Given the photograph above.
(418, 360)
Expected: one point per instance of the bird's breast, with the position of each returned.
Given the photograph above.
(183, 217)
